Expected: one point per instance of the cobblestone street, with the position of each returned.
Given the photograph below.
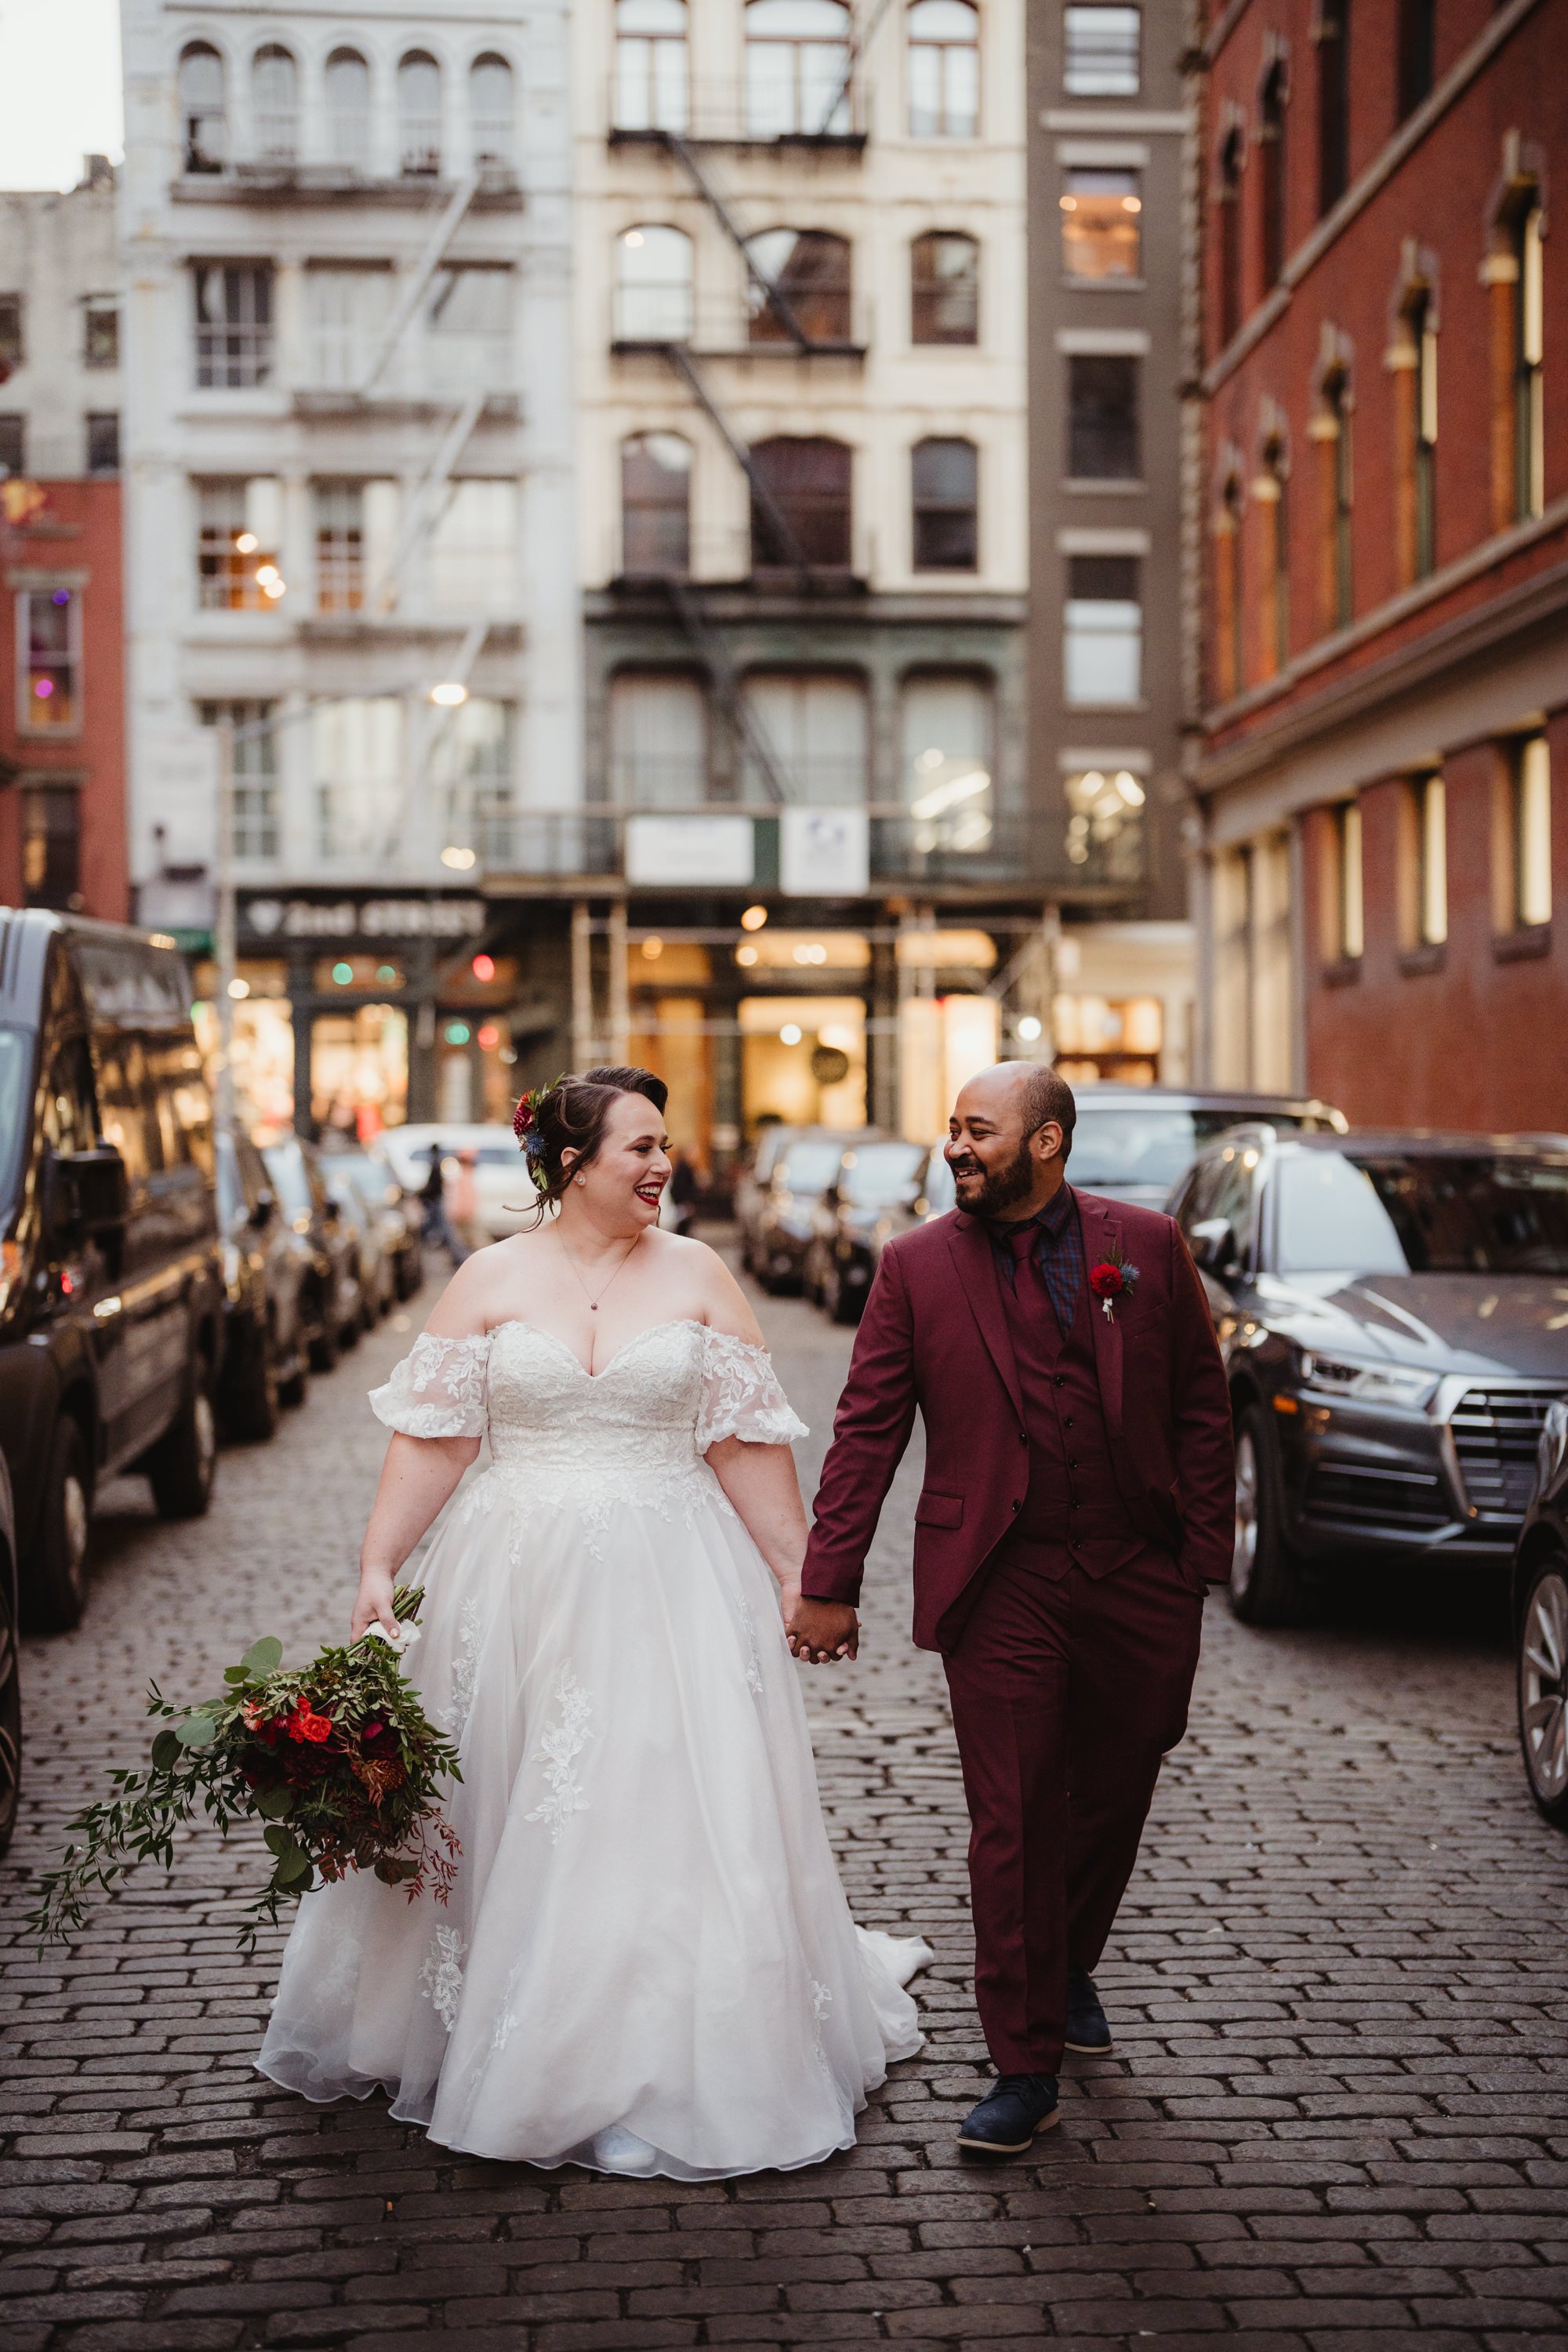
(1340, 1988)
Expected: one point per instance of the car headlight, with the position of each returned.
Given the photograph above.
(231, 1265)
(1403, 1384)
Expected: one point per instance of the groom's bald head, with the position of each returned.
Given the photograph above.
(1024, 1096)
(1008, 1138)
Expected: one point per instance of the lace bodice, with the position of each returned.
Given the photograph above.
(629, 1431)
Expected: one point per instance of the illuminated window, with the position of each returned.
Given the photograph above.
(1102, 212)
(1524, 899)
(1529, 351)
(240, 527)
(48, 674)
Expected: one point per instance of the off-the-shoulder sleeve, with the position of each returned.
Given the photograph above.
(741, 1396)
(439, 1390)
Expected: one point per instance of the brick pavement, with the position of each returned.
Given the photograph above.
(1340, 1985)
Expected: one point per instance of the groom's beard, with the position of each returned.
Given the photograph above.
(1003, 1188)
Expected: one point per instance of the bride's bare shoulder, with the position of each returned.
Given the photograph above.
(476, 1295)
(725, 1307)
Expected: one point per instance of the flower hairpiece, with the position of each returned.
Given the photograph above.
(525, 1127)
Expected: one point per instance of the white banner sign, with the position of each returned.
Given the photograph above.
(689, 849)
(824, 853)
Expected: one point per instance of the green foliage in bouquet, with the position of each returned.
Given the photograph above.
(338, 1763)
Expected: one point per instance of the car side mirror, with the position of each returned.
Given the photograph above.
(261, 1214)
(1213, 1244)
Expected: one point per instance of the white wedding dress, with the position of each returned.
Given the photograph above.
(647, 1963)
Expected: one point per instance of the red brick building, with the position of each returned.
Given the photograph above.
(62, 697)
(1382, 769)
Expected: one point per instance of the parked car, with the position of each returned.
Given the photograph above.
(329, 1247)
(1132, 1143)
(266, 1351)
(1541, 1623)
(1389, 1306)
(111, 1284)
(783, 1224)
(372, 1259)
(754, 1174)
(10, 1665)
(854, 1216)
(397, 1215)
(503, 1192)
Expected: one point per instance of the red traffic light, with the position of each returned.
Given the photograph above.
(484, 967)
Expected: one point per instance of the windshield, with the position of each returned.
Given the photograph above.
(1415, 1213)
(15, 1113)
(1152, 1144)
(809, 1167)
(286, 1166)
(882, 1171)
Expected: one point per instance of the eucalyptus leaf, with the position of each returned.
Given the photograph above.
(165, 1752)
(235, 1675)
(264, 1657)
(279, 1839)
(272, 1804)
(196, 1731)
(292, 1867)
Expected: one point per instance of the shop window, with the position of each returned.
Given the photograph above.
(947, 725)
(346, 310)
(347, 84)
(1227, 231)
(805, 489)
(1102, 417)
(239, 526)
(234, 324)
(48, 674)
(944, 69)
(103, 441)
(1333, 39)
(357, 763)
(798, 287)
(13, 342)
(1523, 841)
(1417, 53)
(101, 335)
(1102, 52)
(255, 773)
(474, 549)
(51, 847)
(653, 285)
(944, 288)
(340, 547)
(204, 119)
(1103, 637)
(1102, 212)
(944, 481)
(490, 112)
(650, 64)
(655, 505)
(1104, 824)
(275, 104)
(419, 116)
(797, 68)
(1342, 897)
(13, 443)
(814, 723)
(658, 741)
(1273, 189)
(468, 342)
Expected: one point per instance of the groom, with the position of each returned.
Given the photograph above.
(1079, 1500)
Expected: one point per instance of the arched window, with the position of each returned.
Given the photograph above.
(797, 67)
(1333, 34)
(655, 504)
(203, 122)
(944, 482)
(815, 724)
(1227, 526)
(659, 740)
(944, 69)
(650, 64)
(799, 289)
(1274, 602)
(490, 112)
(653, 285)
(800, 511)
(1271, 172)
(944, 288)
(348, 108)
(275, 104)
(1412, 363)
(419, 115)
(1228, 231)
(1331, 431)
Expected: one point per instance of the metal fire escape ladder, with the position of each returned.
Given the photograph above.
(685, 366)
(430, 260)
(421, 512)
(680, 147)
(860, 40)
(706, 640)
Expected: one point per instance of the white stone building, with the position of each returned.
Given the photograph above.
(349, 445)
(59, 328)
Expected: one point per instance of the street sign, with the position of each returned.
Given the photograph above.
(824, 853)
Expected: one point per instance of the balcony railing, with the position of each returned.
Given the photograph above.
(275, 131)
(764, 111)
(444, 366)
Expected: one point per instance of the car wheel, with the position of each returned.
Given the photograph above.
(292, 1392)
(10, 1708)
(324, 1346)
(1266, 1584)
(1543, 1689)
(56, 1593)
(253, 1407)
(183, 1466)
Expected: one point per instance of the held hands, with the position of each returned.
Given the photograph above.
(373, 1603)
(819, 1632)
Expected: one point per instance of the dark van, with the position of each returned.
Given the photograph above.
(110, 1277)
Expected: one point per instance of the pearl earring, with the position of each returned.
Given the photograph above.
(582, 1180)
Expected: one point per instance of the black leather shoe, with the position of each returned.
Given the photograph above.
(1011, 2113)
(1087, 2028)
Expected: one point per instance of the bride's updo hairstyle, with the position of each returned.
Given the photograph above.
(571, 1118)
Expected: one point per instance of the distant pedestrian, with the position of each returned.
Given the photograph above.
(436, 1230)
(684, 1186)
(463, 1202)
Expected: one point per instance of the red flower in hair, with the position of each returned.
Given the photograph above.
(522, 1118)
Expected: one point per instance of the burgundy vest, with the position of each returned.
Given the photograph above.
(1073, 1498)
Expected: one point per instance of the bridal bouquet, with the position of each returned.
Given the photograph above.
(337, 1762)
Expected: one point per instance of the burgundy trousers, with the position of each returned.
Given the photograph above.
(1066, 1692)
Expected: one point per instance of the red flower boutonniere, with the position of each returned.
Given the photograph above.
(1111, 1279)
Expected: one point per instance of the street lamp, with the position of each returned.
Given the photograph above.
(450, 695)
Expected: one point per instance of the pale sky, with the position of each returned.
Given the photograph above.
(59, 89)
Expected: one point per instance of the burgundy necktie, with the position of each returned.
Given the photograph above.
(1028, 1282)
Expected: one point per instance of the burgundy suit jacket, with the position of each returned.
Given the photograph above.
(934, 1340)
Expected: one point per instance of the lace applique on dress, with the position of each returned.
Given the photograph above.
(753, 1658)
(556, 1752)
(439, 1390)
(466, 1667)
(441, 1975)
(741, 1396)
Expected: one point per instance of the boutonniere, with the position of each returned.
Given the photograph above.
(1112, 1278)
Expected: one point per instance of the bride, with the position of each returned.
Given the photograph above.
(647, 1964)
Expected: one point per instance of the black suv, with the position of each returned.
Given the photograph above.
(1390, 1309)
(111, 1288)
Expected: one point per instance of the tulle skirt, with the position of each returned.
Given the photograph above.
(647, 1964)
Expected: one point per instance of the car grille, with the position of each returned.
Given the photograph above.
(1494, 1436)
(1382, 1498)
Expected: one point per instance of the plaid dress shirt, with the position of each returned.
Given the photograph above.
(1059, 1252)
